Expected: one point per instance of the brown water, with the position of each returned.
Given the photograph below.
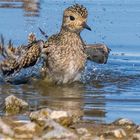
(106, 92)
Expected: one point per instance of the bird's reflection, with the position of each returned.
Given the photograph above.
(74, 99)
(31, 7)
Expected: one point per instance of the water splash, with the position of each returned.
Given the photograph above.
(24, 75)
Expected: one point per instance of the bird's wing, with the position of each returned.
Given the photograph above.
(8, 66)
(27, 57)
(97, 52)
(31, 55)
(10, 52)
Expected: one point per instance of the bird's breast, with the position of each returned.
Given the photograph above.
(66, 59)
(67, 64)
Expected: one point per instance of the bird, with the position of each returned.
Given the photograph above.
(98, 52)
(64, 54)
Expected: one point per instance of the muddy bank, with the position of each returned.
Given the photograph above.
(47, 124)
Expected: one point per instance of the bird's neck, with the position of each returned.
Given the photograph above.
(64, 30)
(72, 38)
(69, 34)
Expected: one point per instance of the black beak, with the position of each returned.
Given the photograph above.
(86, 26)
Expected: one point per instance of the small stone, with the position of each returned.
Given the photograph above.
(58, 114)
(99, 138)
(2, 137)
(136, 136)
(41, 114)
(87, 136)
(14, 105)
(62, 117)
(6, 129)
(30, 127)
(138, 128)
(123, 121)
(128, 127)
(82, 131)
(28, 130)
(24, 136)
(58, 131)
(117, 133)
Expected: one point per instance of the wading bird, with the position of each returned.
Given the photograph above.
(64, 54)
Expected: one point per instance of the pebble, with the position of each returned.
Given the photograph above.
(6, 129)
(138, 128)
(82, 131)
(117, 133)
(14, 105)
(43, 114)
(136, 136)
(58, 131)
(123, 121)
(47, 124)
(62, 117)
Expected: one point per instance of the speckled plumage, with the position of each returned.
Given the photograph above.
(20, 57)
(78, 9)
(31, 56)
(66, 57)
(65, 51)
(64, 54)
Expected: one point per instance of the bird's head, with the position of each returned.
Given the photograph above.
(75, 18)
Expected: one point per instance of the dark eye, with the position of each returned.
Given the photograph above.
(72, 18)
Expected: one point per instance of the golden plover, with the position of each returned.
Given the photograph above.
(64, 54)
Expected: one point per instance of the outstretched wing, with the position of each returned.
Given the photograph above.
(21, 57)
(8, 66)
(97, 53)
(31, 56)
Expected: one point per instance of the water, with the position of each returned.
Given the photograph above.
(109, 91)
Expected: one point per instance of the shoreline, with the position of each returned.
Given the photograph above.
(59, 124)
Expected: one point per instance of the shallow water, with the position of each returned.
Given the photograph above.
(108, 91)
